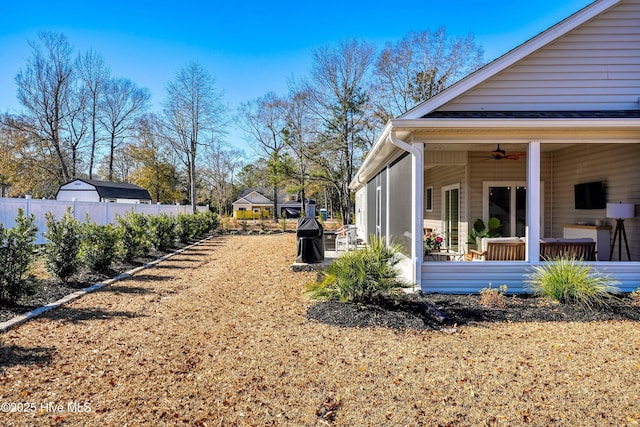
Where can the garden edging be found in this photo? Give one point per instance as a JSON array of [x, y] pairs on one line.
[[20, 319]]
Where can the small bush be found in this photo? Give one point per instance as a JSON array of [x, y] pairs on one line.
[[493, 297], [571, 281], [191, 226], [361, 276], [135, 234], [101, 246], [635, 297], [16, 257], [63, 245], [164, 231]]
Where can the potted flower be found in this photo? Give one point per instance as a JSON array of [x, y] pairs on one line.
[[432, 242]]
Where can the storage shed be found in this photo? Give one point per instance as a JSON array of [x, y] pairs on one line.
[[91, 190]]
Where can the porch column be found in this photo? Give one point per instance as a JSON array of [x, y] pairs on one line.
[[418, 210], [417, 222], [533, 202]]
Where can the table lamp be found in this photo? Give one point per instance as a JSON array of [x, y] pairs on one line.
[[620, 212]]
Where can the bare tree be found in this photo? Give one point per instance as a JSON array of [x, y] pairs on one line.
[[152, 163], [123, 103], [76, 124], [94, 73], [419, 66], [194, 116], [340, 95], [44, 88], [220, 172], [299, 133], [264, 120]]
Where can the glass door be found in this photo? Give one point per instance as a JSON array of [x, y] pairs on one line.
[[508, 203], [451, 217]]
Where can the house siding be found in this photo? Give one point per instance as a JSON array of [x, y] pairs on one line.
[[595, 67], [471, 277], [439, 177]]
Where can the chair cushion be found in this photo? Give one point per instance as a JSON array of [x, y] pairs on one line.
[[564, 240], [485, 240]]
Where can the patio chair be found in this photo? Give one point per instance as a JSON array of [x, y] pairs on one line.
[[505, 249], [567, 248], [346, 237]]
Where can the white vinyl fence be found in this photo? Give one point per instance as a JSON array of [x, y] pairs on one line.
[[100, 212]]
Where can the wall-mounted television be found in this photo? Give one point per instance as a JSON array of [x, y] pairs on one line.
[[590, 195]]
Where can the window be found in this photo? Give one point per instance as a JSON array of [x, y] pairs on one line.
[[428, 199]]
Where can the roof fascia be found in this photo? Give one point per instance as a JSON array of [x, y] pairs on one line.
[[510, 58], [371, 155], [586, 123]]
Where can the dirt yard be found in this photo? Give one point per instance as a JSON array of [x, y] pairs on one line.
[[220, 335]]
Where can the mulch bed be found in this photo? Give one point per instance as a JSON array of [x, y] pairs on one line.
[[47, 290], [435, 311]]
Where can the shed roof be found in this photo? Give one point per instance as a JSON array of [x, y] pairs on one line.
[[114, 190]]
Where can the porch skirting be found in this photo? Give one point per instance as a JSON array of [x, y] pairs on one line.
[[470, 277]]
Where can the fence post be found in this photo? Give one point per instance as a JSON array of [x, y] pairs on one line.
[[27, 208], [106, 213], [73, 208]]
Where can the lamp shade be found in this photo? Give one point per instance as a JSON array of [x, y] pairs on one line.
[[620, 210]]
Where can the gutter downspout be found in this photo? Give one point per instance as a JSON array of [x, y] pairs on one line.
[[417, 182]]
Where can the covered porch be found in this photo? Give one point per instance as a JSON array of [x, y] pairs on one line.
[[550, 196], [545, 192]]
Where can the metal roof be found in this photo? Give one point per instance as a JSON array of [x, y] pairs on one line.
[[116, 190]]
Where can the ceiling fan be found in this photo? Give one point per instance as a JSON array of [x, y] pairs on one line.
[[500, 154]]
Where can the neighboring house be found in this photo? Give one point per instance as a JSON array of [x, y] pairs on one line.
[[521, 139], [91, 190], [253, 205]]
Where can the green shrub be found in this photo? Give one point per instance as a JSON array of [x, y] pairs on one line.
[[191, 226], [135, 234], [101, 246], [16, 257], [163, 230], [571, 281], [185, 227], [209, 221], [63, 245], [361, 276]]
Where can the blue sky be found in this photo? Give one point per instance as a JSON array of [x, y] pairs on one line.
[[250, 47]]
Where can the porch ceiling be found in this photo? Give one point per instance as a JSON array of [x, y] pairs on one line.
[[490, 146]]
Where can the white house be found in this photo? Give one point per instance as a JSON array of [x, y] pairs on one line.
[[542, 138], [91, 190]]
